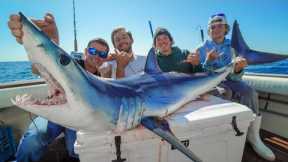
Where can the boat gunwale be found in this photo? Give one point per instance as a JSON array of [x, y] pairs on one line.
[[22, 83], [266, 75]]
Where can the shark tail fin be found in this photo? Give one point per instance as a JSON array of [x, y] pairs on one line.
[[162, 129]]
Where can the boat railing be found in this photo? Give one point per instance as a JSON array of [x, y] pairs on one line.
[[267, 75], [10, 90], [21, 83], [274, 104]]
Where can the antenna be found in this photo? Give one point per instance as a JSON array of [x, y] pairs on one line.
[[75, 32]]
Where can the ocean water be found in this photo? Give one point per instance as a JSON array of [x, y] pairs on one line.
[[280, 67], [21, 70], [15, 71]]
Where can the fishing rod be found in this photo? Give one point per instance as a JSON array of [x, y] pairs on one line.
[[201, 32], [75, 31], [151, 29], [75, 54]]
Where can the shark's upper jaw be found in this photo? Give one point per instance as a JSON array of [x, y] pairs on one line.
[[56, 94]]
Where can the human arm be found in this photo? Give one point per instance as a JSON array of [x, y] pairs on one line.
[[240, 64], [193, 58], [47, 25], [122, 60], [211, 55]]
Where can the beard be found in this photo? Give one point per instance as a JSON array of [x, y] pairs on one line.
[[127, 49]]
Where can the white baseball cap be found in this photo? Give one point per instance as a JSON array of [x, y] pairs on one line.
[[218, 18]]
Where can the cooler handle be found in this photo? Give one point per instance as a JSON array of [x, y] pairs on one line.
[[235, 127]]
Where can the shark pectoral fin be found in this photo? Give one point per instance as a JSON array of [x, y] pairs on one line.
[[162, 129]]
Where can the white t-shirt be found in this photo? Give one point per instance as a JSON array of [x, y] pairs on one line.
[[135, 66]]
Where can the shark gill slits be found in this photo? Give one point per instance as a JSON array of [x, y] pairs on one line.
[[64, 59]]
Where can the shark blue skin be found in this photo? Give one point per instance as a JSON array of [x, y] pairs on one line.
[[252, 56], [82, 101]]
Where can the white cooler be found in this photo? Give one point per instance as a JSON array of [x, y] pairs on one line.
[[205, 127]]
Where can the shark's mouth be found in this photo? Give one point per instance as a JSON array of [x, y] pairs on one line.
[[56, 93]]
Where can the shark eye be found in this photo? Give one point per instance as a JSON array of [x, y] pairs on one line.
[[64, 59], [40, 45]]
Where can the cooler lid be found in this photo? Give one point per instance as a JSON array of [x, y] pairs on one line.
[[209, 113]]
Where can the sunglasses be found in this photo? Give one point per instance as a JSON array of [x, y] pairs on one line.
[[95, 52], [219, 14], [214, 26]]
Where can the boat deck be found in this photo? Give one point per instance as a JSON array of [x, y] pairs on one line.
[[279, 146]]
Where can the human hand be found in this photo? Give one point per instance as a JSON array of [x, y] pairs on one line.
[[122, 58], [47, 25], [105, 70], [240, 63], [204, 97], [211, 54], [193, 59]]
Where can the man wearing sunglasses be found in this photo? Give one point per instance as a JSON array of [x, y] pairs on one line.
[[42, 132], [216, 53], [95, 56]]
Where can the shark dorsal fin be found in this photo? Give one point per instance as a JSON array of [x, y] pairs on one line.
[[151, 66], [252, 56], [237, 40]]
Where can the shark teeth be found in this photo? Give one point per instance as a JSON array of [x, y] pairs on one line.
[[26, 99], [54, 100], [56, 94]]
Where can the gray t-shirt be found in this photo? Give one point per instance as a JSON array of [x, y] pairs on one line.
[[135, 66]]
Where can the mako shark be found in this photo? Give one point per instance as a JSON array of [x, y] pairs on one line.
[[252, 56], [79, 100]]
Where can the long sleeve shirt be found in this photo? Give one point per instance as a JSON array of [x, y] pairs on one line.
[[175, 62], [226, 54]]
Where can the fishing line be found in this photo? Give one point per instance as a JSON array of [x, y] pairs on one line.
[[32, 120]]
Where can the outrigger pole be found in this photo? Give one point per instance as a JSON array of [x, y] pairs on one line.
[[75, 32]]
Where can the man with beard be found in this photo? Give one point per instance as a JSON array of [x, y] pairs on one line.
[[126, 62]]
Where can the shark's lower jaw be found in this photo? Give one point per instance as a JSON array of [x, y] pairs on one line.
[[56, 94]]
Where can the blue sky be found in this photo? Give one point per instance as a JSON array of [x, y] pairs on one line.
[[262, 22]]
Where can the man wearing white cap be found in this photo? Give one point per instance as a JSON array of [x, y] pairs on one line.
[[216, 53]]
